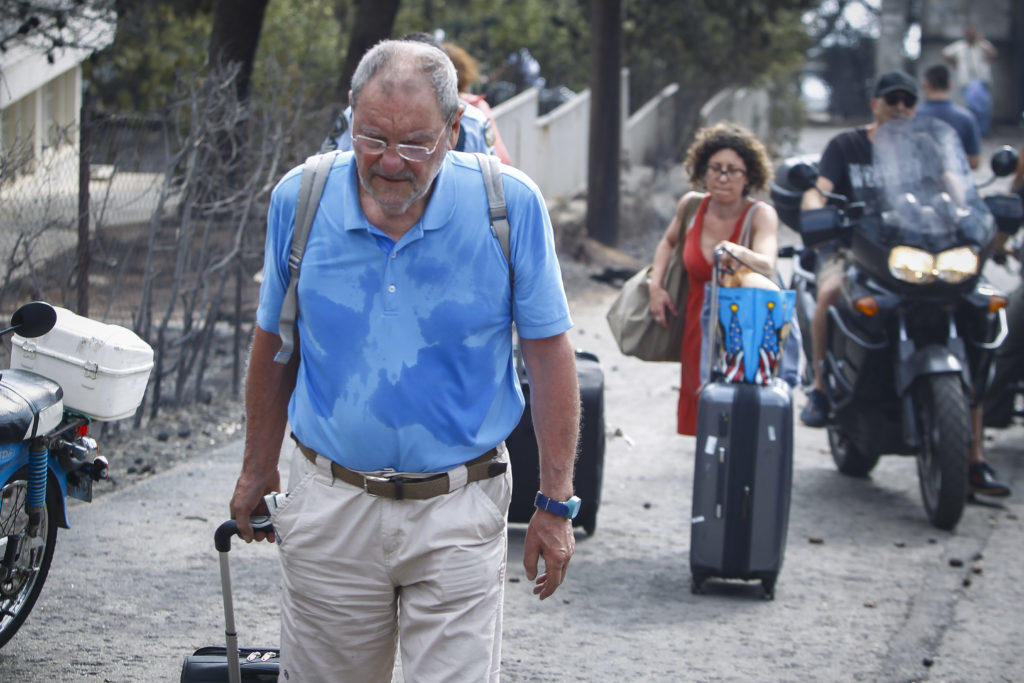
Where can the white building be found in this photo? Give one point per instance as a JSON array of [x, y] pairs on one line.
[[41, 85]]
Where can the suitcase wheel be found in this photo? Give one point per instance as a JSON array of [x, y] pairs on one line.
[[768, 584], [697, 584]]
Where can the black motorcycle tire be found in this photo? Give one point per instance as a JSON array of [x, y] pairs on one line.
[[944, 424], [850, 459], [17, 601]]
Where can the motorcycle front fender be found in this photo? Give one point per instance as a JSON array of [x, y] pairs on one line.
[[933, 359], [57, 477]]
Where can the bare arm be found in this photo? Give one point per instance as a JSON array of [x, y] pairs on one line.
[[555, 397], [268, 388], [1018, 177], [764, 244], [813, 199], [660, 298]]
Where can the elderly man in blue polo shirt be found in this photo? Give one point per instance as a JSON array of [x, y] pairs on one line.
[[405, 372]]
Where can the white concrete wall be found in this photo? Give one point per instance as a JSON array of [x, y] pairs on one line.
[[554, 149], [650, 135]]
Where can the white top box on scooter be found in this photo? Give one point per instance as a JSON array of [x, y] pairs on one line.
[[102, 368]]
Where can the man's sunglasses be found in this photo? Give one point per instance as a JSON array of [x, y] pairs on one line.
[[896, 96]]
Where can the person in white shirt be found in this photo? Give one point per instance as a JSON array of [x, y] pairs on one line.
[[970, 58]]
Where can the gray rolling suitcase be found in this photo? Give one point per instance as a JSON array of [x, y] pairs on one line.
[[743, 473], [742, 478]]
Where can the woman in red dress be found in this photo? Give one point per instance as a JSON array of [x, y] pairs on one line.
[[730, 163]]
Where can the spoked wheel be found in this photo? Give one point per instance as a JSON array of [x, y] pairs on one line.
[[944, 424], [849, 459], [19, 590]]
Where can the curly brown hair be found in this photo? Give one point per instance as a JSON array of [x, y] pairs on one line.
[[465, 66], [740, 140]]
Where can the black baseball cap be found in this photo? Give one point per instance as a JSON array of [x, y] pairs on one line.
[[895, 80]]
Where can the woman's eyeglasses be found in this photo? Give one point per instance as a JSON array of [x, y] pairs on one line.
[[732, 172], [896, 96]]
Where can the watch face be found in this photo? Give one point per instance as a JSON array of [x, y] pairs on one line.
[[574, 506]]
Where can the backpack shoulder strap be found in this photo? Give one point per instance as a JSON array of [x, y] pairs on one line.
[[490, 166], [314, 177]]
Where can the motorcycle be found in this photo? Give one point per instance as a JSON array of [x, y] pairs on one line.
[[912, 335], [46, 453]]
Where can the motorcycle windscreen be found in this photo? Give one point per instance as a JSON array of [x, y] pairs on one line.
[[926, 194]]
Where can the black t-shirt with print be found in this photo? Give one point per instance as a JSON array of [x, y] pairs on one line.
[[847, 162]]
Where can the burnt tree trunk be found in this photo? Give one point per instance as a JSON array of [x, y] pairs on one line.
[[605, 121], [373, 23], [235, 36]]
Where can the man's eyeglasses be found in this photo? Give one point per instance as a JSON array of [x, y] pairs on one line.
[[896, 96], [733, 173], [414, 153]]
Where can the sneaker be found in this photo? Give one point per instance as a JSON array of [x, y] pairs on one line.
[[981, 478], [815, 413]]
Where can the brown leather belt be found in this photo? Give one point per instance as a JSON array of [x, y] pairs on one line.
[[399, 487]]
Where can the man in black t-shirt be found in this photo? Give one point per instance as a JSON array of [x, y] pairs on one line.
[[846, 168]]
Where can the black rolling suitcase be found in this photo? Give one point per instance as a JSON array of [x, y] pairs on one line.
[[522, 449], [209, 664], [743, 474]]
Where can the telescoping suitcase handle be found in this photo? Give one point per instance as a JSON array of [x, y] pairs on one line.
[[222, 541]]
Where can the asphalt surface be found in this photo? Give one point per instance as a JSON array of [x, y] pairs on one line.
[[868, 591]]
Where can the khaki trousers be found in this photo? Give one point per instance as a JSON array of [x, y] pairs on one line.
[[362, 574]]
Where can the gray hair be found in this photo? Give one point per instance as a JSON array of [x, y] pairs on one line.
[[429, 61]]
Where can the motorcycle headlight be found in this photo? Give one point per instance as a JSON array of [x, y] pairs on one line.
[[956, 265], [912, 265], [921, 267]]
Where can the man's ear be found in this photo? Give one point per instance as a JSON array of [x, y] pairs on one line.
[[456, 126]]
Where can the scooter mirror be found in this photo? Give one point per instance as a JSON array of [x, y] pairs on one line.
[[33, 319], [802, 177], [1004, 161]]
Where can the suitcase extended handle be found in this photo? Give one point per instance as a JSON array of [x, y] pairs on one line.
[[222, 541], [222, 537]]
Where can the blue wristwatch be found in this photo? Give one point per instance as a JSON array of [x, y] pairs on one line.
[[568, 509]]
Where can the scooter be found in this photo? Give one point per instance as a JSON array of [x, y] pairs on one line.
[[46, 455], [912, 335]]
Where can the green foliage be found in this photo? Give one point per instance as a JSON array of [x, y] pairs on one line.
[[301, 45], [710, 44], [156, 45], [556, 33]]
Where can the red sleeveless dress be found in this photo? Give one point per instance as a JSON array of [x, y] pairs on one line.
[[698, 271]]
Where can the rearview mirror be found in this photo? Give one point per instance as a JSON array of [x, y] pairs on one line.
[[33, 319], [1004, 161], [802, 177]]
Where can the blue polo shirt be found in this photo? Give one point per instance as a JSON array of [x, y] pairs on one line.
[[405, 348]]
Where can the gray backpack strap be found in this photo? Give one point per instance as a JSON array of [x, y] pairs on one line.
[[314, 178], [490, 167]]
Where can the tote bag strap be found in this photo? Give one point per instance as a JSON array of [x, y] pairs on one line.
[[748, 223]]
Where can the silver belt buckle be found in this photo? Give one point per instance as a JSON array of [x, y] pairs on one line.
[[367, 478]]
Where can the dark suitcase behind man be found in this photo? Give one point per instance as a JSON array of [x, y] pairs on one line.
[[743, 474], [522, 449], [231, 663]]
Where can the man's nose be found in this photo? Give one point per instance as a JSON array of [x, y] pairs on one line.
[[390, 159]]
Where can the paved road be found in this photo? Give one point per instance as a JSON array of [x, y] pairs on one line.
[[869, 590]]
